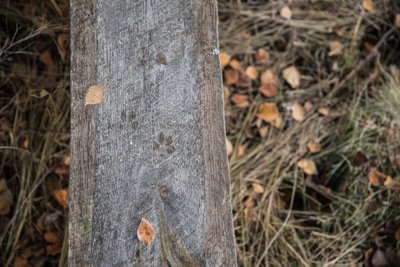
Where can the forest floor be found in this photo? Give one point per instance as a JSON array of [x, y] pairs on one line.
[[312, 97]]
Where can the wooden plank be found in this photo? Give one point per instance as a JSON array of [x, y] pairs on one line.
[[155, 147]]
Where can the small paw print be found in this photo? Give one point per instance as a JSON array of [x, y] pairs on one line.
[[164, 142]]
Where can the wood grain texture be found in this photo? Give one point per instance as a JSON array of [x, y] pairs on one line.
[[155, 147]]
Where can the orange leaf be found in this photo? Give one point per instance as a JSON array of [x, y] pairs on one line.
[[376, 178], [94, 95], [52, 237], [61, 196], [53, 249], [292, 76], [269, 90], [146, 232], [298, 112], [286, 12], [336, 48], [368, 5], [20, 262], [308, 166], [235, 64], [269, 78], [252, 72], [229, 147], [224, 58], [45, 58], [258, 188], [324, 111], [397, 21], [231, 76], [241, 101], [313, 146], [269, 112], [262, 56]]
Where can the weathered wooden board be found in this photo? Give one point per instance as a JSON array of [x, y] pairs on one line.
[[155, 147]]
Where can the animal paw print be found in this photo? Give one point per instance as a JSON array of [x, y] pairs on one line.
[[164, 142]]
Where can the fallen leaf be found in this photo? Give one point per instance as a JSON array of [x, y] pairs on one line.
[[6, 198], [53, 249], [61, 170], [336, 48], [397, 21], [227, 94], [292, 76], [241, 101], [308, 166], [376, 178], [397, 235], [62, 41], [263, 131], [360, 159], [45, 57], [146, 232], [308, 106], [94, 95], [231, 76], [269, 112], [269, 77], [262, 56], [324, 111], [286, 12], [258, 188], [368, 5], [52, 237], [26, 143], [313, 146], [252, 72], [269, 90], [61, 196], [298, 112], [241, 151], [67, 160], [20, 262], [229, 147], [224, 59], [235, 64], [379, 259], [250, 203]]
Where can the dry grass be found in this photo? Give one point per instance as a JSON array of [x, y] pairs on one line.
[[333, 218], [327, 220], [34, 118]]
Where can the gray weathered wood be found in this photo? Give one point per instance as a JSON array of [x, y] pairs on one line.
[[155, 148]]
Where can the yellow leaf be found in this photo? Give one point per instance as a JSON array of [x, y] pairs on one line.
[[235, 64], [262, 56], [324, 111], [292, 76], [298, 112], [269, 112], [61, 196], [376, 178], [229, 147], [336, 48], [397, 21], [252, 72], [94, 95], [241, 101], [286, 12], [269, 90], [146, 232], [308, 166], [314, 146], [368, 5], [258, 188], [231, 76], [224, 59]]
